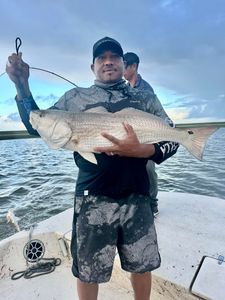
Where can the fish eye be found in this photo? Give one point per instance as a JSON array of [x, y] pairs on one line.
[[190, 132]]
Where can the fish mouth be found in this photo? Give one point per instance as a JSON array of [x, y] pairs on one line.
[[33, 119]]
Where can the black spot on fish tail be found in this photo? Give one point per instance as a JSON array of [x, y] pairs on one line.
[[190, 132]]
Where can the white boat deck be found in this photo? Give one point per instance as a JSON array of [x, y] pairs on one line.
[[189, 227]]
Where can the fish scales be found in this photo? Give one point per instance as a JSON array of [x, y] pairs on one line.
[[82, 132], [148, 130]]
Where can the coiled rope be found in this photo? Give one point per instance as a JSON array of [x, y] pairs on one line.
[[39, 269]]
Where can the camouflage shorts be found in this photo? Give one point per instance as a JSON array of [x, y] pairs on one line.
[[101, 225]]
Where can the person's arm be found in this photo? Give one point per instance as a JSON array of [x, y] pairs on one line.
[[163, 151], [18, 72], [25, 106]]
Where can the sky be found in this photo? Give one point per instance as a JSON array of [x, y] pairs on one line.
[[180, 43]]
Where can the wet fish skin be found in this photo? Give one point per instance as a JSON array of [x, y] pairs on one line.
[[81, 132]]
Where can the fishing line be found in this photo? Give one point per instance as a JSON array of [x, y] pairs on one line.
[[18, 43], [34, 68]]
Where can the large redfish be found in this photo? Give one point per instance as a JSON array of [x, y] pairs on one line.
[[81, 132]]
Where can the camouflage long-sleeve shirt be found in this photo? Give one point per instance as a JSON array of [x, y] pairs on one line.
[[113, 175]]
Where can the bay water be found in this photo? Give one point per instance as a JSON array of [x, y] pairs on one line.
[[37, 182]]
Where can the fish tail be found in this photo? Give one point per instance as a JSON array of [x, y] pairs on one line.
[[198, 137]]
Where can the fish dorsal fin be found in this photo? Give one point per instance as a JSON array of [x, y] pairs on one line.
[[98, 109], [132, 111], [89, 156], [136, 112]]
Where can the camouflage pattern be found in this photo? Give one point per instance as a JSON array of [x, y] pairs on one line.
[[113, 97], [101, 225]]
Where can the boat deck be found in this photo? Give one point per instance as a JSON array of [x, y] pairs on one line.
[[188, 227]]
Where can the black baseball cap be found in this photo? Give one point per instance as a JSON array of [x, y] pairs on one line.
[[131, 58], [105, 44]]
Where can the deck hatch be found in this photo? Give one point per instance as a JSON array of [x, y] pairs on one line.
[[34, 250], [209, 279]]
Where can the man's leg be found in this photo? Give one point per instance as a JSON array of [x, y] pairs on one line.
[[137, 243], [87, 291], [93, 244], [141, 285]]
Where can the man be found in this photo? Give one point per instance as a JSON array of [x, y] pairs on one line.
[[111, 207], [136, 81], [131, 73]]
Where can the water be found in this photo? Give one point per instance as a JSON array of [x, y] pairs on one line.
[[37, 182]]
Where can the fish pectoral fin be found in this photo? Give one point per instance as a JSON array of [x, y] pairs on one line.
[[89, 156]]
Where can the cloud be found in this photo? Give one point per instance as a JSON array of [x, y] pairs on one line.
[[15, 117], [200, 108], [180, 43], [11, 122], [209, 109], [178, 114], [47, 99], [9, 102]]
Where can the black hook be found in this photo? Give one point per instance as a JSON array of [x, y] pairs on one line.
[[18, 43]]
